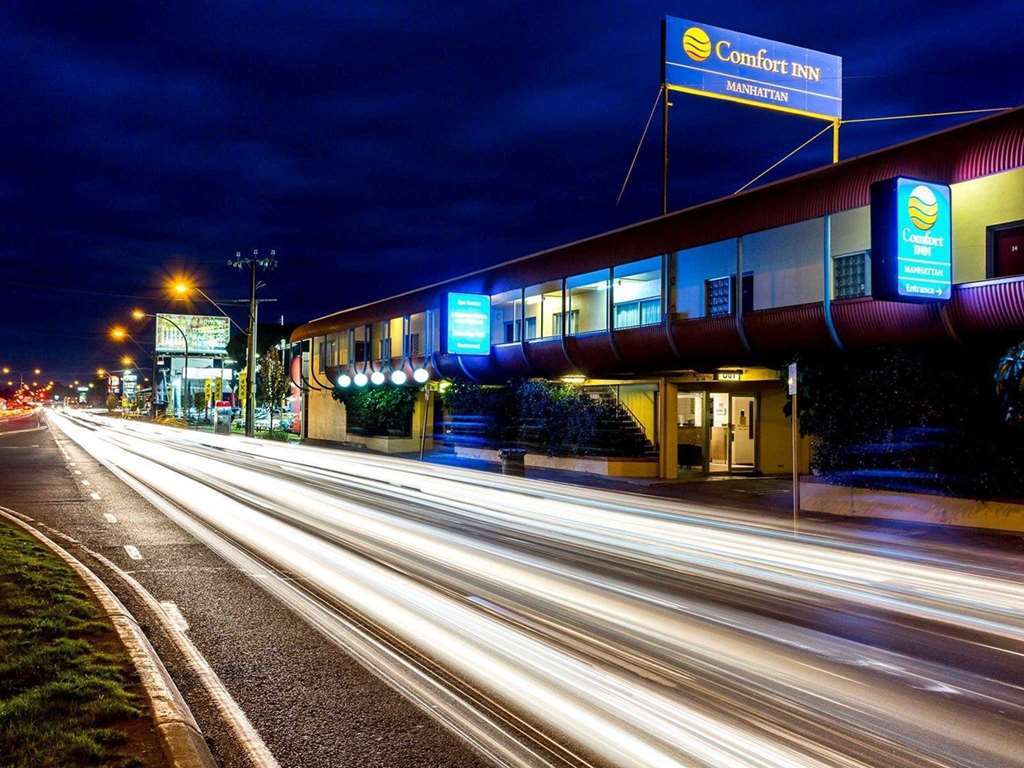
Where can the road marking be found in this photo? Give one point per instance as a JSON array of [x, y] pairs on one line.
[[71, 463], [86, 482], [77, 471], [109, 517], [133, 551], [94, 496], [174, 614]]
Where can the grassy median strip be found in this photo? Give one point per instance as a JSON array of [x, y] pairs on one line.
[[66, 684]]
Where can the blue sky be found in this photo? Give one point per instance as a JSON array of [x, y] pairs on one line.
[[380, 146]]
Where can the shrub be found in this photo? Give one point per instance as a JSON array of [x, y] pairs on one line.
[[378, 411], [908, 419]]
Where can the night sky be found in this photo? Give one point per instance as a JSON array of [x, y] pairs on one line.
[[379, 146]]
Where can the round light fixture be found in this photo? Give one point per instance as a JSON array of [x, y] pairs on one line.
[[398, 378], [344, 380], [421, 376], [377, 378], [360, 379]]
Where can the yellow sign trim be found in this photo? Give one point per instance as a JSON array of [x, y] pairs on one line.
[[750, 103]]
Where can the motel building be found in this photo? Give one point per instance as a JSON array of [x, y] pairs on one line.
[[689, 320]]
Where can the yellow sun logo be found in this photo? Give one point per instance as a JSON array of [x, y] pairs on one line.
[[696, 43], [922, 207]]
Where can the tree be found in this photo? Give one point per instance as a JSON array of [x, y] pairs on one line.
[[274, 384], [112, 402], [1010, 384]]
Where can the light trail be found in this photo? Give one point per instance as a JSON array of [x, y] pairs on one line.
[[605, 628]]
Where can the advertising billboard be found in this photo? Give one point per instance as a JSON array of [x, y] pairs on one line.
[[207, 334], [718, 63], [911, 240], [469, 324]]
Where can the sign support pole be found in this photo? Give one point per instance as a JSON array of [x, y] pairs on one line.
[[664, 125], [835, 140], [795, 422]]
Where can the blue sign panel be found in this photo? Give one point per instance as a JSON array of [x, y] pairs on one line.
[[722, 64], [469, 324], [911, 240]]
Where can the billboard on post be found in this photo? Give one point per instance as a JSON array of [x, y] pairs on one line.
[[207, 334], [722, 64]]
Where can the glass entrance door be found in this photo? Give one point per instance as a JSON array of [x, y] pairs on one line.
[[743, 433]]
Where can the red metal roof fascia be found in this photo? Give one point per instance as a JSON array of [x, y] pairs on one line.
[[971, 150]]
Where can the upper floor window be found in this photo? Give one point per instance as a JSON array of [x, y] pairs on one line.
[[636, 293], [719, 293], [506, 317], [542, 302], [587, 303]]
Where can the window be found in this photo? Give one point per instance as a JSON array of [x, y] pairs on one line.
[[321, 356], [531, 328], [587, 302], [632, 314], [636, 293], [396, 338], [851, 276], [542, 302], [718, 293], [417, 327], [506, 317], [556, 323]]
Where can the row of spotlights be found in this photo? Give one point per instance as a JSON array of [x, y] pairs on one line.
[[398, 378]]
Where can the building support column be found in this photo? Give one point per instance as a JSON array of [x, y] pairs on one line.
[[668, 432]]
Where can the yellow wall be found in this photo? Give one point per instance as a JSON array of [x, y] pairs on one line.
[[326, 417], [775, 447], [978, 204], [640, 402]]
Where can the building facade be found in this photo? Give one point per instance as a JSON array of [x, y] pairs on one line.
[[689, 318]]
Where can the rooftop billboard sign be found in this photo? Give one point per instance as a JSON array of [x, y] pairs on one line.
[[722, 64], [911, 240], [207, 334]]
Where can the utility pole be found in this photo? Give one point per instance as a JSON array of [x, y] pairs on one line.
[[252, 262]]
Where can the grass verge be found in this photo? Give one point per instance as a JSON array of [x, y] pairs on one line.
[[68, 694]]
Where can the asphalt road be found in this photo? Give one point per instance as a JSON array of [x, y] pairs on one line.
[[556, 626], [312, 703]]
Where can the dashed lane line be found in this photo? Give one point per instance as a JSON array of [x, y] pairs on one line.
[[109, 517], [95, 496], [133, 551], [175, 615]]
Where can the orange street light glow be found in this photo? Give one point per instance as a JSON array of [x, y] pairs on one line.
[[138, 314], [126, 360], [118, 333]]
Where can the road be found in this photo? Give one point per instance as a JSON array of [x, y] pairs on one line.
[[548, 625]]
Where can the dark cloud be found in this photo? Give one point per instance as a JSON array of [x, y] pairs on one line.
[[383, 145]]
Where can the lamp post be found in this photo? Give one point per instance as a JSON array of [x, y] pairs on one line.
[[138, 314]]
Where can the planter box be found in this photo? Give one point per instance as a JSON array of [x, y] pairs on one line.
[[911, 507], [609, 466], [385, 443]]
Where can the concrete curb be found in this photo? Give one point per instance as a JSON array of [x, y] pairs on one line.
[[180, 737]]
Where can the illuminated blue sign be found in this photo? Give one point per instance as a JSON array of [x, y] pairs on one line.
[[911, 240], [722, 64], [469, 324]]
